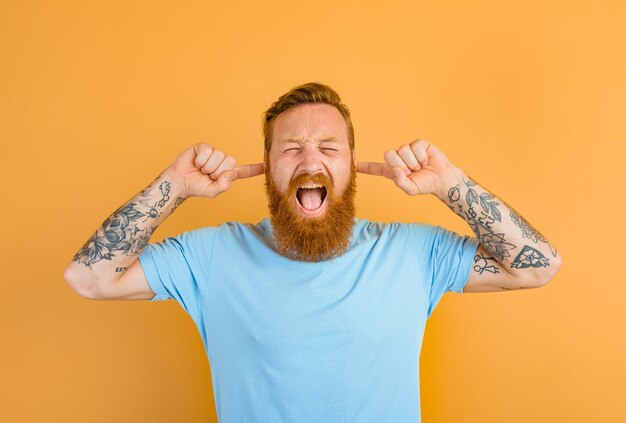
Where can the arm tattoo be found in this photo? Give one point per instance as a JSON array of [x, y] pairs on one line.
[[165, 190], [529, 257], [488, 206], [488, 217], [454, 193], [529, 232], [484, 264], [118, 234], [483, 212], [122, 233], [177, 203], [481, 221]]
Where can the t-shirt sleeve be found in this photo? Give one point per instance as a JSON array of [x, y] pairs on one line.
[[178, 267], [451, 259]]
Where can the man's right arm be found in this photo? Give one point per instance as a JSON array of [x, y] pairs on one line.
[[98, 269], [107, 266]]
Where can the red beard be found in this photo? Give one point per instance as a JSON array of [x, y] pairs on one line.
[[311, 238]]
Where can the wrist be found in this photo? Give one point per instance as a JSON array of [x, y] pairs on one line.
[[176, 181], [446, 188]]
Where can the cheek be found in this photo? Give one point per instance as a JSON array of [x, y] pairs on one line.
[[282, 171], [281, 180], [342, 181]]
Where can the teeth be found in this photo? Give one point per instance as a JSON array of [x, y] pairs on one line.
[[311, 185]]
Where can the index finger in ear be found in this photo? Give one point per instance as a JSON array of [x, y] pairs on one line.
[[377, 169], [248, 171]]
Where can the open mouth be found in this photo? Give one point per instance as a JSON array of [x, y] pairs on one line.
[[311, 199]]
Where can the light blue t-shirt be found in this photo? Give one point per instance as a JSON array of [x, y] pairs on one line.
[[298, 342]]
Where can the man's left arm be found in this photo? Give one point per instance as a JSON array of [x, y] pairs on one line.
[[511, 255]]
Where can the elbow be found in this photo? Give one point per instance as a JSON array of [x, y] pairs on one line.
[[549, 272], [77, 281]]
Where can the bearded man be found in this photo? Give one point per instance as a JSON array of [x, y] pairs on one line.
[[312, 315]]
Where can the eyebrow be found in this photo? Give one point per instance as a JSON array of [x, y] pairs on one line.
[[299, 140]]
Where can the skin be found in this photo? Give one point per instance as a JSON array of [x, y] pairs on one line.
[[503, 260], [301, 145], [512, 254]]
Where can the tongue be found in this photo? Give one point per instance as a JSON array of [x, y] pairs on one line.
[[311, 198]]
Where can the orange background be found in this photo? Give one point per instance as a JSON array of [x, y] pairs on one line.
[[96, 98]]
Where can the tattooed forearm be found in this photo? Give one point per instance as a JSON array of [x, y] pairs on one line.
[[127, 231], [529, 232], [481, 212], [165, 190], [498, 228], [454, 194], [178, 202]]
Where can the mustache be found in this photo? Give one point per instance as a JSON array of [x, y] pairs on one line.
[[316, 178]]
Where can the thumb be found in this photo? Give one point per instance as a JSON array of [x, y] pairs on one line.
[[228, 175], [226, 178], [222, 183], [400, 178]]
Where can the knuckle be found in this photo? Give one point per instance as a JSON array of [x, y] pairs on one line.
[[203, 150], [202, 146], [419, 151], [405, 149], [419, 145], [217, 157], [389, 154]]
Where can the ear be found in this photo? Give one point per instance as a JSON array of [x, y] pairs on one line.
[[264, 159], [354, 156]]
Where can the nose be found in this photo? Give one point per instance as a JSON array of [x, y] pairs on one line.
[[311, 162]]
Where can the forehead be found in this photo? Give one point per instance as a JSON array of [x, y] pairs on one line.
[[310, 121]]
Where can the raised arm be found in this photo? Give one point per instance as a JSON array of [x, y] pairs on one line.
[[107, 266], [511, 255]]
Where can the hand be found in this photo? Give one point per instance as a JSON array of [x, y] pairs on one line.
[[205, 171], [417, 168]]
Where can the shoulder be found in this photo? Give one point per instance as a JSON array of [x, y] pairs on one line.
[[240, 232], [229, 228]]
